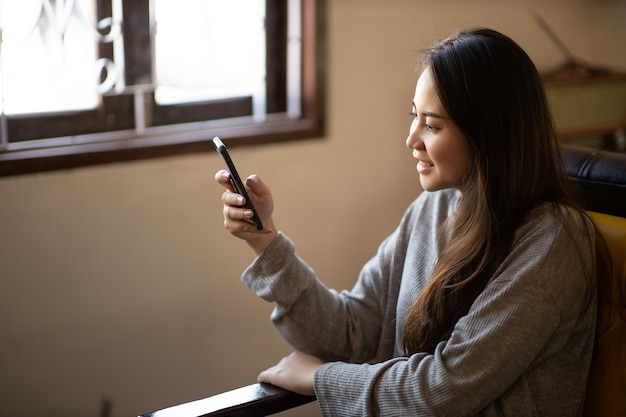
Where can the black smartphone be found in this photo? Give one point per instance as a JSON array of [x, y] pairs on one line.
[[235, 180]]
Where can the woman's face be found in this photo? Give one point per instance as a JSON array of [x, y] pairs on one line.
[[440, 148]]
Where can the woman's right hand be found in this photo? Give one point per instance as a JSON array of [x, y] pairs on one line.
[[237, 219]]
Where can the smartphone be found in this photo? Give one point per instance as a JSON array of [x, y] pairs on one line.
[[235, 181]]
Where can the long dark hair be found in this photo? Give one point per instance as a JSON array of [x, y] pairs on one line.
[[491, 89]]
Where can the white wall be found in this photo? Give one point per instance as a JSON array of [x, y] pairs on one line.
[[120, 281]]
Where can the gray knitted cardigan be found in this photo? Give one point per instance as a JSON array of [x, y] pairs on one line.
[[523, 349]]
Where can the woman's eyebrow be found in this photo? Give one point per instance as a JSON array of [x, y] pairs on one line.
[[435, 115], [429, 113]]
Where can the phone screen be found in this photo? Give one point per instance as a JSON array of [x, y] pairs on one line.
[[235, 180]]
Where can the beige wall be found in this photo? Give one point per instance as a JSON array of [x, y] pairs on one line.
[[120, 281]]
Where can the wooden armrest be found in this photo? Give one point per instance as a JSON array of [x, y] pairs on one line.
[[252, 400]]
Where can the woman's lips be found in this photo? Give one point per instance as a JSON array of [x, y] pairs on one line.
[[424, 167]]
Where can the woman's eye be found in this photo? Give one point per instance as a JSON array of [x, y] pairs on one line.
[[415, 116]]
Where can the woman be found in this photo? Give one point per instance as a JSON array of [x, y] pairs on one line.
[[482, 301]]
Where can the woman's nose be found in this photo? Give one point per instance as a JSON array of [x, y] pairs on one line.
[[413, 141], [409, 142]]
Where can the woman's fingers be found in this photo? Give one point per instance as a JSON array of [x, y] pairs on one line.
[[238, 219], [258, 187], [232, 207], [231, 198], [222, 177]]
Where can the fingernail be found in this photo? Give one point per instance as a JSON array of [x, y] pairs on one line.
[[240, 200], [247, 213]]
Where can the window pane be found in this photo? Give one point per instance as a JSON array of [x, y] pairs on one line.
[[47, 56], [267, 59], [210, 49]]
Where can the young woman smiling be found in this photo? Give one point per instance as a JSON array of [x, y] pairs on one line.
[[482, 301]]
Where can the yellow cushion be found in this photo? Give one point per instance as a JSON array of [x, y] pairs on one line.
[[606, 388]]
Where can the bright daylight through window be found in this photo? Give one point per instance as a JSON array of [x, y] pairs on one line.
[[93, 81]]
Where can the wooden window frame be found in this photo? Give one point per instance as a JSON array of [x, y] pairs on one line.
[[170, 133]]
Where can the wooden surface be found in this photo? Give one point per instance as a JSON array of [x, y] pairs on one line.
[[251, 400]]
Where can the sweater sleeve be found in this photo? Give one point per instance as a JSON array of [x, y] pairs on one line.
[[538, 306], [353, 326], [317, 320]]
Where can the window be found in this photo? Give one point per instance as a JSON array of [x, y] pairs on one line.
[[85, 82]]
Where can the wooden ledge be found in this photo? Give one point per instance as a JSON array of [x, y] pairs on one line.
[[252, 400]]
